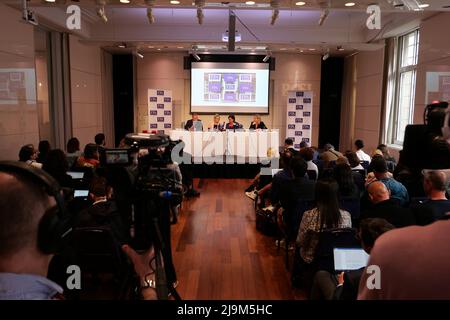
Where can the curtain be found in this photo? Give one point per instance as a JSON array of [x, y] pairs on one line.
[[389, 83], [348, 104], [107, 100]]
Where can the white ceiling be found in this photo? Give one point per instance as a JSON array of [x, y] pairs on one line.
[[295, 29]]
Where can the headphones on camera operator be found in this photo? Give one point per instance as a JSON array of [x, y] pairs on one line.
[[54, 224]]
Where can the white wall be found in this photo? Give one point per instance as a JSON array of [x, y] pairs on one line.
[[165, 71], [18, 115], [86, 86]]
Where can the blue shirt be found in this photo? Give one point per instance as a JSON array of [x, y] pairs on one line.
[[398, 190], [17, 286]]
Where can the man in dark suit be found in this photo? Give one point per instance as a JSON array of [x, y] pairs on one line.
[[257, 123], [289, 145], [190, 123], [386, 208]]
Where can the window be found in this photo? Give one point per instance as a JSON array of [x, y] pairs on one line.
[[404, 87]]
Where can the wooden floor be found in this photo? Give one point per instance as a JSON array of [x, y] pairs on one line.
[[218, 252]]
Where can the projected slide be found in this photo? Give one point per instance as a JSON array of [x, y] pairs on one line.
[[17, 85], [229, 87], [438, 86]]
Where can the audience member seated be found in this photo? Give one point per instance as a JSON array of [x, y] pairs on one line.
[[359, 145], [326, 215], [262, 178], [437, 205], [342, 174], [307, 154], [190, 123], [56, 165], [414, 263], [298, 188], [353, 160], [100, 140], [73, 151], [386, 208], [289, 146], [381, 173], [281, 177], [342, 160], [90, 158], [385, 151], [44, 148], [28, 154], [103, 212], [329, 154], [216, 125], [257, 123], [327, 286], [232, 124]]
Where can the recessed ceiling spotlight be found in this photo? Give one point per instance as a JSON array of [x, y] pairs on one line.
[[175, 2], [50, 0], [424, 5], [312, 49], [124, 1], [159, 49], [349, 4], [180, 47], [282, 49], [250, 3], [122, 45], [300, 3]]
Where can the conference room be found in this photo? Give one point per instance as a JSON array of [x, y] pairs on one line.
[[241, 150]]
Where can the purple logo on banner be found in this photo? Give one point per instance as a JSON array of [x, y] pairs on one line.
[[160, 119], [229, 96], [214, 87], [305, 139], [306, 127], [306, 100], [153, 112], [291, 126], [160, 106], [306, 114], [298, 120], [167, 125], [297, 146], [160, 92], [153, 126], [292, 100], [167, 112], [299, 133], [167, 99], [230, 77], [153, 99], [299, 94], [299, 107], [292, 114]]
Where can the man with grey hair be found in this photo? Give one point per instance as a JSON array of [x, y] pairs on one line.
[[435, 185], [329, 154]]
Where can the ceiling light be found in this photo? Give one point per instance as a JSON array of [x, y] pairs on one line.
[[349, 4], [124, 1], [312, 49], [150, 17], [159, 49], [283, 49], [50, 0], [266, 58], [180, 47], [175, 2], [340, 48], [300, 3], [101, 14], [250, 3], [424, 5], [150, 47], [196, 56], [323, 16], [137, 54], [123, 45]]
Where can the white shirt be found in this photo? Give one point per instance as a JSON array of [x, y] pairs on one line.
[[362, 155], [358, 167], [313, 166]]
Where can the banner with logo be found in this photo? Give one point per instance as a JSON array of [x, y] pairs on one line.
[[159, 110], [299, 117]]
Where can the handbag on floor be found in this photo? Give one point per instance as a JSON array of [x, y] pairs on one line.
[[266, 222]]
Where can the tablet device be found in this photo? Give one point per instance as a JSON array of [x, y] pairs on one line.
[[81, 193], [347, 259], [76, 175]]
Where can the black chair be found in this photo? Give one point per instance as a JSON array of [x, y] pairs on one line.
[[359, 177], [312, 175], [391, 166], [365, 164], [97, 252], [330, 239], [352, 206]]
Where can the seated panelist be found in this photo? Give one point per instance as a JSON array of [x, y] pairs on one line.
[[190, 123], [216, 125], [257, 123], [232, 124]]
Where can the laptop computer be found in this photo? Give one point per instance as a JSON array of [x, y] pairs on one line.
[[347, 259], [81, 194]]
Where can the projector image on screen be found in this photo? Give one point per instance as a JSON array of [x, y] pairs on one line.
[[229, 87]]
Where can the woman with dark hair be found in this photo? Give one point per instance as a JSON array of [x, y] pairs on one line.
[[232, 124], [28, 154], [342, 174], [56, 165], [90, 158], [73, 151], [44, 148], [353, 160], [325, 215]]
